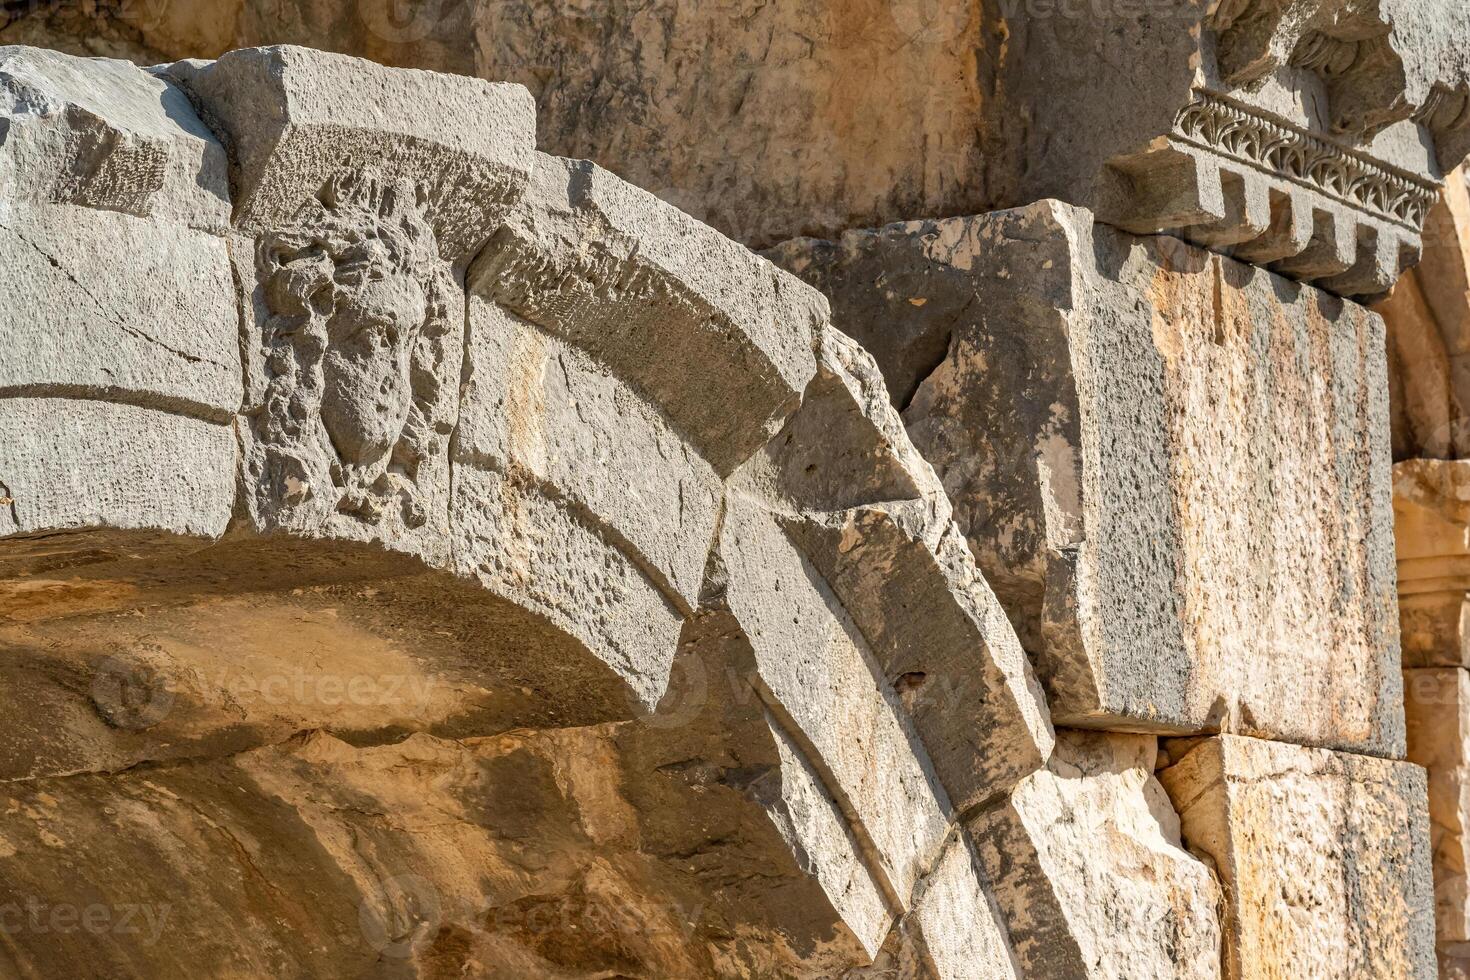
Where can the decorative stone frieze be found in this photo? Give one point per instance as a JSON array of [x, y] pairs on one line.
[[1306, 136]]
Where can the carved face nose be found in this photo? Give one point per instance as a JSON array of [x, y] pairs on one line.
[[367, 392]]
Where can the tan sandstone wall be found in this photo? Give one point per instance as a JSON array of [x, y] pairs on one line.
[[765, 120]]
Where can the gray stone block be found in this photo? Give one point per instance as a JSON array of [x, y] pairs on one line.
[[716, 336], [1172, 468], [293, 118]]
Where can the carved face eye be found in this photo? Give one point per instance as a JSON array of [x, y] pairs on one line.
[[377, 317]]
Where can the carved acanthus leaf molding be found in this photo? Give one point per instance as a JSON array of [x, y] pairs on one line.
[[1284, 151]]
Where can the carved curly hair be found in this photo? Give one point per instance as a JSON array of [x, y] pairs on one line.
[[356, 219]]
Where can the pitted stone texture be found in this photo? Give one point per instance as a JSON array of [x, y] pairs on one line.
[[759, 123], [517, 540], [71, 465], [122, 365], [104, 134], [1161, 459], [879, 653], [1323, 857], [108, 306], [1427, 316], [818, 675], [294, 118], [848, 792], [716, 337], [872, 518], [1431, 509], [1089, 872], [543, 411], [962, 933], [1437, 708]]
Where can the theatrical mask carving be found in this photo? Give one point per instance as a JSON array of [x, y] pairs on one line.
[[362, 353]]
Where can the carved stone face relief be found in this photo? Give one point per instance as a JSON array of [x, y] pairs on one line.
[[361, 354], [370, 336]]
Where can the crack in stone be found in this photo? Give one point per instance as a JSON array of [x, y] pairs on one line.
[[7, 499], [112, 316]]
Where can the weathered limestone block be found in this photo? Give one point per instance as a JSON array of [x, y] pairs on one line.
[[956, 922], [869, 515], [1437, 709], [1089, 872], [692, 320], [105, 135], [1323, 856], [1427, 315], [817, 673], [1431, 509], [1170, 466], [833, 538], [107, 306], [137, 475], [356, 211], [621, 358], [122, 365], [545, 413], [820, 745]]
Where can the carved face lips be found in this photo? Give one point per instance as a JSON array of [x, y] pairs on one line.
[[367, 393]]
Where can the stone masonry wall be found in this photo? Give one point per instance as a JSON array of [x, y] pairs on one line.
[[424, 553]]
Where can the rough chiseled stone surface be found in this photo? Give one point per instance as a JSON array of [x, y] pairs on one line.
[[1323, 856], [1088, 868], [1437, 706], [1161, 459]]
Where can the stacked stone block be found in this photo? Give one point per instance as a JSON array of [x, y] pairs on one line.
[[1174, 469]]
